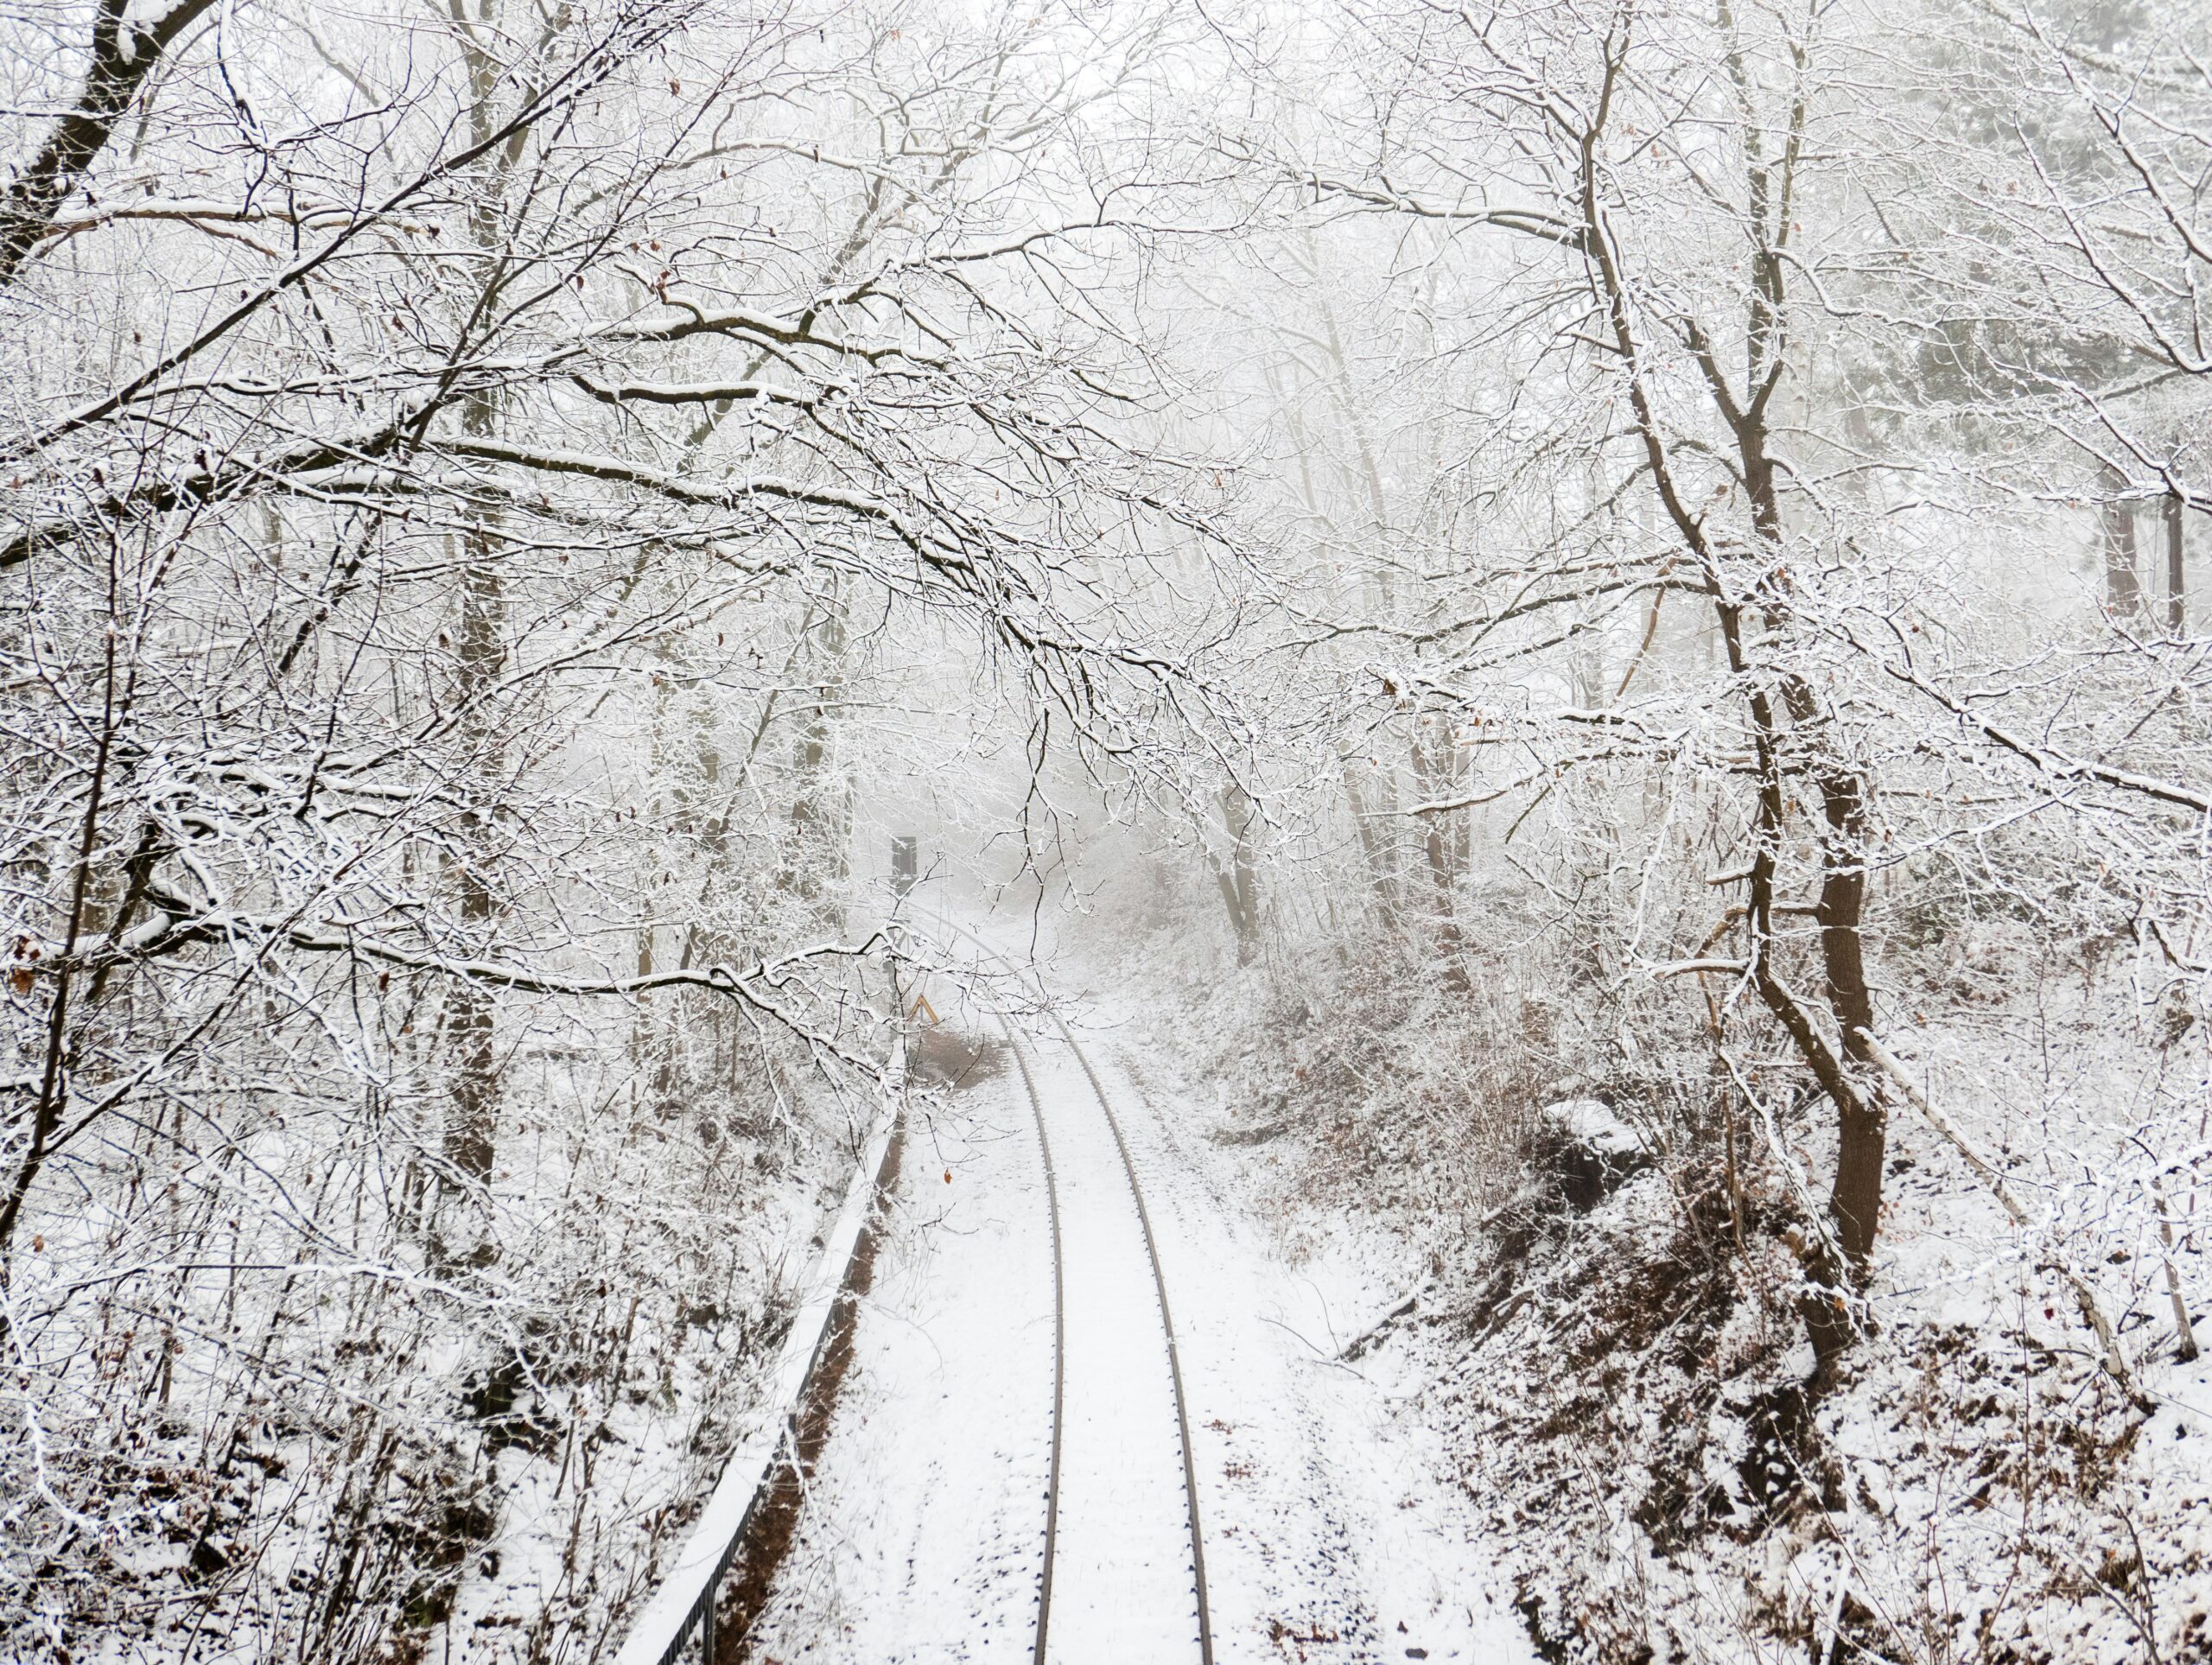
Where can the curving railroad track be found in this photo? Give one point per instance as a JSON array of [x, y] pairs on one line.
[[1122, 1576], [1126, 1593]]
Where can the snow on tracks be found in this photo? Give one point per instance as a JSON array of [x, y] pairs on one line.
[[1333, 1535], [925, 1533], [1127, 1568]]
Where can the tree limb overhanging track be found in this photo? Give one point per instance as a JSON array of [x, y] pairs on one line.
[[1059, 1323]]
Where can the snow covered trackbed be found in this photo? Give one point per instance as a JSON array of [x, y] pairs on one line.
[[1028, 1445], [1120, 1570]]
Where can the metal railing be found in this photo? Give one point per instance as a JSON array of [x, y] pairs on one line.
[[683, 1606]]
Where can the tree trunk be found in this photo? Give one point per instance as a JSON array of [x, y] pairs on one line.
[[1855, 1200], [2176, 577], [821, 808], [1374, 853], [1862, 1122], [1239, 880], [464, 1236], [2123, 582], [1437, 769]]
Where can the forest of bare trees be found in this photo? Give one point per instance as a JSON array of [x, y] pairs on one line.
[[1497, 556]]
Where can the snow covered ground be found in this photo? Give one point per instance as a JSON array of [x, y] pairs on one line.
[[922, 1538], [1330, 1535], [1327, 1534]]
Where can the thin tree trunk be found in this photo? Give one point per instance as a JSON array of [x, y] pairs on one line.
[[1239, 880], [1435, 770], [820, 807], [1374, 853], [2123, 582], [471, 1142], [2177, 576], [53, 1089], [2184, 1334], [471, 1136]]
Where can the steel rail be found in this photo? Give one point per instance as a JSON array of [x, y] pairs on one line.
[[1059, 1342], [1167, 1324], [1059, 1364]]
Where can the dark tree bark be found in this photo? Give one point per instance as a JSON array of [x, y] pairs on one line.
[[2176, 577], [1855, 1200], [124, 55]]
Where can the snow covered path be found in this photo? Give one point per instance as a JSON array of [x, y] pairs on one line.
[[1327, 1537]]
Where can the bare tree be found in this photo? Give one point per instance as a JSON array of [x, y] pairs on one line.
[[554, 377]]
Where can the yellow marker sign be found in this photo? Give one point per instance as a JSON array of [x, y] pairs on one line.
[[922, 1004]]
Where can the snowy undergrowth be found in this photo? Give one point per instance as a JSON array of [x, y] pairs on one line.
[[322, 1443], [1618, 1360]]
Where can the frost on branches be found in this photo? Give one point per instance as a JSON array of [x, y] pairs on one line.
[[1596, 600]]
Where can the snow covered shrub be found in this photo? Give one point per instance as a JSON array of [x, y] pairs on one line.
[[1622, 1364], [322, 1443], [1409, 1100]]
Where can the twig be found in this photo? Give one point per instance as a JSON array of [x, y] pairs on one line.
[[1366, 1339]]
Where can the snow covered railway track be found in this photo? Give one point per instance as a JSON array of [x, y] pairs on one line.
[[1115, 1582]]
